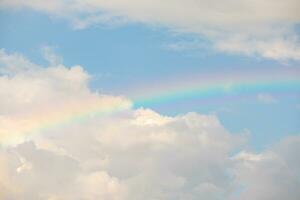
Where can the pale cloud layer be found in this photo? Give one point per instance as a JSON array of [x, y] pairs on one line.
[[266, 98], [129, 154], [250, 27]]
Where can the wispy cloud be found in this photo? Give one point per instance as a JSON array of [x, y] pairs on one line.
[[50, 55], [266, 98]]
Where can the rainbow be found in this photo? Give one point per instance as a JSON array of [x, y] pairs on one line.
[[26, 126], [218, 91], [203, 87], [219, 86]]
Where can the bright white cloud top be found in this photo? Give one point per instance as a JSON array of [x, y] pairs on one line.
[[130, 154], [264, 28]]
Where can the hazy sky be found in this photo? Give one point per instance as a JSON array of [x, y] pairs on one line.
[[141, 99]]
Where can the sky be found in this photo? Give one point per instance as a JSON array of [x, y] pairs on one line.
[[169, 100]]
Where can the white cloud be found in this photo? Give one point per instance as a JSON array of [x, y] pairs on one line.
[[14, 63], [31, 95], [131, 154], [266, 98], [263, 28]]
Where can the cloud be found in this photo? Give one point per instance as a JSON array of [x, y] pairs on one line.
[[273, 174], [51, 56], [34, 97], [261, 28], [126, 154], [266, 98]]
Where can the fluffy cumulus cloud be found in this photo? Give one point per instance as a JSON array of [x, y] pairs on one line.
[[61, 141], [251, 27]]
